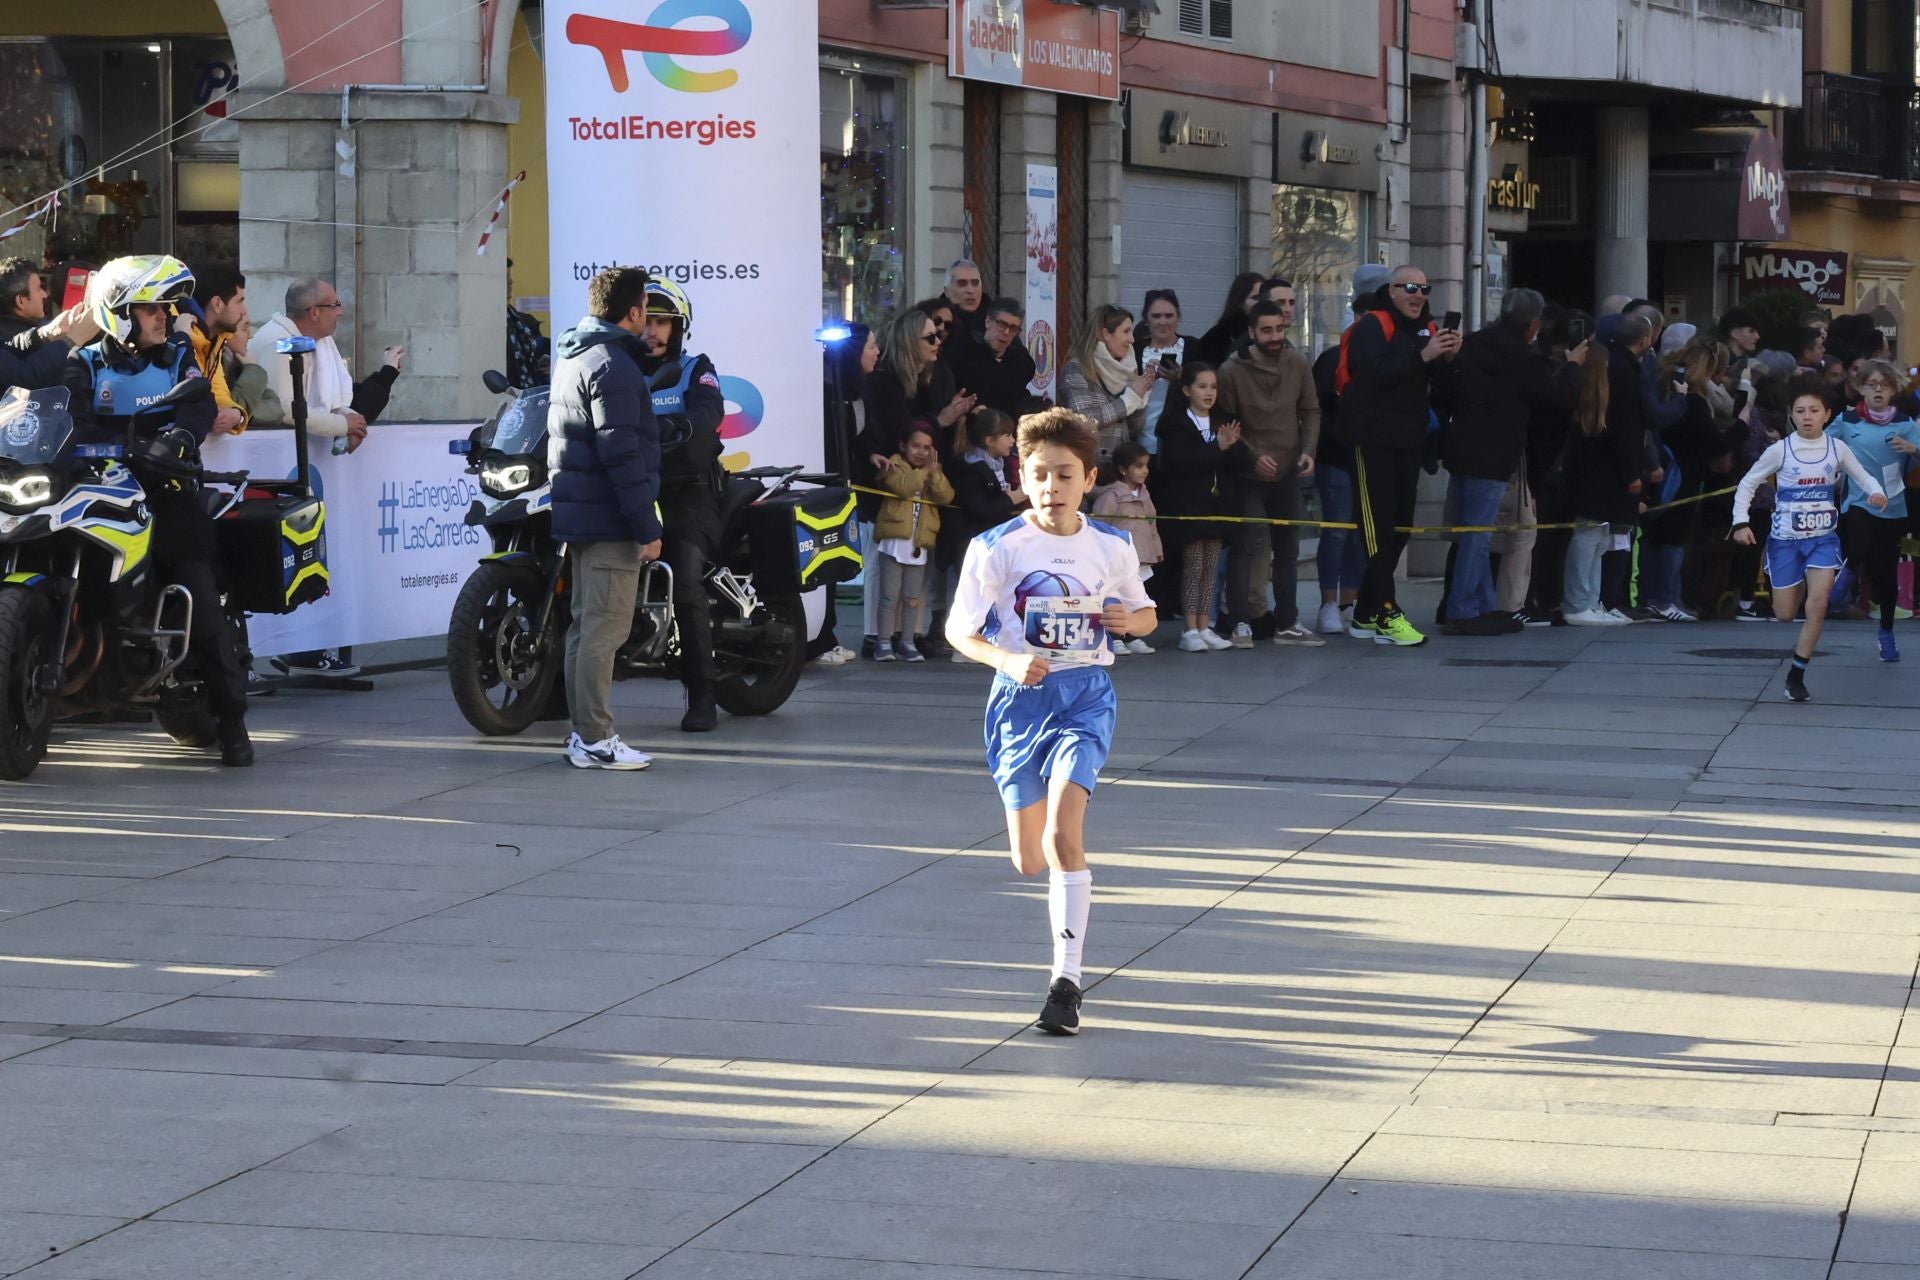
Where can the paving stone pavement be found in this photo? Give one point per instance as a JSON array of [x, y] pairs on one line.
[[1574, 954]]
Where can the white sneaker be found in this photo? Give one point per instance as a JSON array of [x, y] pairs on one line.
[[1242, 636], [1140, 646], [1193, 642], [1331, 623], [1119, 647], [1619, 619], [1676, 613], [1214, 640], [835, 657], [608, 753], [1594, 618]]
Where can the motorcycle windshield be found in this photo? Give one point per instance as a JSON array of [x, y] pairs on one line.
[[519, 425], [34, 426]]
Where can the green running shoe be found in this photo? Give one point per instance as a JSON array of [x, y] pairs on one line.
[[1393, 628]]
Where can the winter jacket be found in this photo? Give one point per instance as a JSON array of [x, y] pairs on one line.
[[980, 502], [211, 354], [1116, 418], [1277, 405], [30, 361], [1333, 450], [1193, 470], [889, 411], [603, 448], [1387, 403], [999, 381], [1219, 342], [914, 513], [1130, 510], [1500, 384]]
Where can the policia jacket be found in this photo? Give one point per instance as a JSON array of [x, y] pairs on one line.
[[688, 406]]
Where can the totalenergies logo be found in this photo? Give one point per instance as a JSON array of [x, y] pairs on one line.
[[661, 39], [746, 407]]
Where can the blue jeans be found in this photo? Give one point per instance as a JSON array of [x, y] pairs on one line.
[[1660, 573], [1473, 501], [1588, 544], [1342, 560]]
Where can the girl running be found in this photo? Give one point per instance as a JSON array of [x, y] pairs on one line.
[[1885, 440]]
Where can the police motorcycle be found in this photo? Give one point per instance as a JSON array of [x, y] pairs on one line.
[[87, 625], [506, 640]]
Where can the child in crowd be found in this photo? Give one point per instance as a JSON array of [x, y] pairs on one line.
[[1194, 445], [983, 498], [1885, 440], [1603, 493], [905, 531], [1127, 506], [1038, 597], [1767, 421], [1803, 549]]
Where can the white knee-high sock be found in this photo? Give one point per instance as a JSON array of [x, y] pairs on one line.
[[1069, 899]]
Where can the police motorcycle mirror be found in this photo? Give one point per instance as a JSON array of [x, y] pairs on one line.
[[496, 382]]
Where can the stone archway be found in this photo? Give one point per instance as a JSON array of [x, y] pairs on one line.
[[256, 40]]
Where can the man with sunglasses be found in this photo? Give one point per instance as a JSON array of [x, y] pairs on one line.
[[995, 367], [1397, 360]]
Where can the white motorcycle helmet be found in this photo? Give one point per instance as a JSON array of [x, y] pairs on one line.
[[118, 287]]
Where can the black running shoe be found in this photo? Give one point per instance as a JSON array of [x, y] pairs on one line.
[[1797, 687], [1061, 1017]]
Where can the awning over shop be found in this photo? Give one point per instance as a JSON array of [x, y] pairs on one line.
[[1734, 189]]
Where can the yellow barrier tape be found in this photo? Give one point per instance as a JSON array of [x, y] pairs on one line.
[[1348, 524]]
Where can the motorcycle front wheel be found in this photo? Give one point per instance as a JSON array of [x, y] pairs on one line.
[[502, 672], [26, 709], [758, 673]]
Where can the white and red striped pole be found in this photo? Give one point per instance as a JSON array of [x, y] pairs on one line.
[[499, 208]]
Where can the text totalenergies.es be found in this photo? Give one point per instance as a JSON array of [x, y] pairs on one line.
[[637, 128]]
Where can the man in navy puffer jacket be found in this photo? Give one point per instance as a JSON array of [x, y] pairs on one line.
[[603, 450]]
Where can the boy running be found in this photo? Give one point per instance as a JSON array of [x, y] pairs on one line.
[[1803, 549], [1038, 597]]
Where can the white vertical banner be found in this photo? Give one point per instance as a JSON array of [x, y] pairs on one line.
[[1043, 275], [683, 137]]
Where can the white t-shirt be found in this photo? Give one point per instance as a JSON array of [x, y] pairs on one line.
[[1072, 575], [1804, 504]]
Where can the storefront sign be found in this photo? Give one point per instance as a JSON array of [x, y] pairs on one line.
[[1187, 135], [398, 543], [1036, 44], [1318, 151], [1821, 274], [1763, 190], [1043, 275], [686, 142]]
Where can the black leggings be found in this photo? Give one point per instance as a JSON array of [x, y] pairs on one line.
[[1873, 552]]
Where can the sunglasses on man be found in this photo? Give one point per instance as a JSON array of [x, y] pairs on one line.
[[1411, 289]]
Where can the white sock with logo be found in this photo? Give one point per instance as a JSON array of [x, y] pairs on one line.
[[1069, 900]]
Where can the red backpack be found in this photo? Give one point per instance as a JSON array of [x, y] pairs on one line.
[[1342, 373]]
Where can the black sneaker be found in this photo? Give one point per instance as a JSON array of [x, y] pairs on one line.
[[327, 665], [1534, 618], [1061, 1017], [1797, 687]]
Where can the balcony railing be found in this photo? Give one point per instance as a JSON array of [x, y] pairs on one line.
[[1857, 125]]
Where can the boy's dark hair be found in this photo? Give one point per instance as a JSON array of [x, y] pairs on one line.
[[1737, 318], [616, 291], [1062, 427], [985, 425], [1260, 311], [1808, 336], [1808, 384], [1125, 454], [217, 283], [1275, 282]]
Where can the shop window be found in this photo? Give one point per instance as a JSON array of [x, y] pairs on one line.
[[863, 142], [1319, 241]]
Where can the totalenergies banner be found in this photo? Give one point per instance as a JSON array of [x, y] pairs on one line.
[[682, 136]]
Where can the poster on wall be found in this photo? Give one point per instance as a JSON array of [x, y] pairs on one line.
[[1043, 276], [1036, 44], [682, 136]]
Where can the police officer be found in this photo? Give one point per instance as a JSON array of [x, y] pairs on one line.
[[688, 407], [137, 360]]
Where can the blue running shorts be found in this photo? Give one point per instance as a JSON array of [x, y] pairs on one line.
[[1061, 726], [1788, 559]]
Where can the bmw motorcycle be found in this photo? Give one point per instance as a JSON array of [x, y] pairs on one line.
[[87, 625], [506, 639]]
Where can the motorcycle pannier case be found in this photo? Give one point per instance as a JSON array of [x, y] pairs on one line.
[[274, 550], [802, 539]]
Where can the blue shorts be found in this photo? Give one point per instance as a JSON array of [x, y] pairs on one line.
[[1061, 727], [1788, 559]]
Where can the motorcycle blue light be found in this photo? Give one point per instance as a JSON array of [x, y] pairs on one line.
[[832, 334]]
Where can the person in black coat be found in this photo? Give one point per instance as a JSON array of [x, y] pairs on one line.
[[1219, 342], [1198, 453], [994, 367]]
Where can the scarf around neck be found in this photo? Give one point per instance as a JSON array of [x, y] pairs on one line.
[[1115, 375], [1879, 418]]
